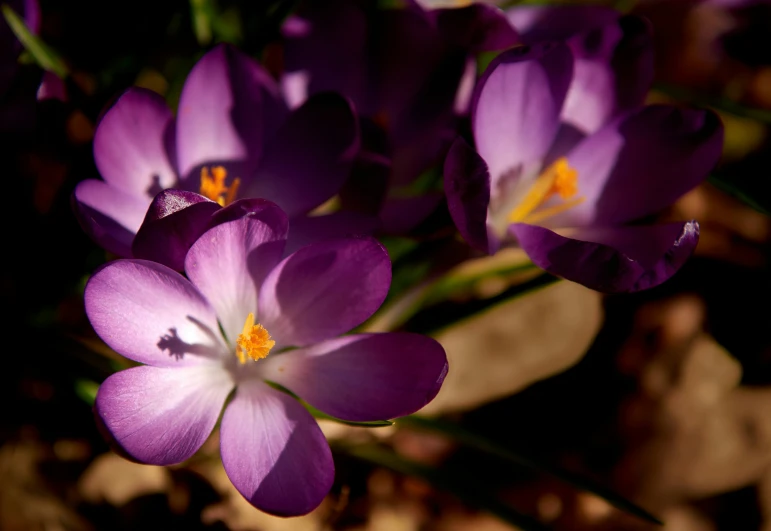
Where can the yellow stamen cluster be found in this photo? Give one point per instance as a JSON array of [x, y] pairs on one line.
[[254, 341], [213, 185], [558, 179]]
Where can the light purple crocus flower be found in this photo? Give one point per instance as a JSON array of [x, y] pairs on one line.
[[233, 137], [574, 205], [408, 70], [232, 325]]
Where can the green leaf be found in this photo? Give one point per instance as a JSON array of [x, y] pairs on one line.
[[749, 188], [427, 321], [403, 304], [86, 390], [478, 442], [44, 56], [323, 416], [465, 489], [202, 13]]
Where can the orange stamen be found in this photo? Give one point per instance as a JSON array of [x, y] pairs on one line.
[[213, 185], [560, 179], [254, 341]]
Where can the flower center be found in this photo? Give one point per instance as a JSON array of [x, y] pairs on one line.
[[558, 179], [213, 185], [254, 341]]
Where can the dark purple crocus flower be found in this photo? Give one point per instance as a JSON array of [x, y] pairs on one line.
[[407, 69], [232, 325], [233, 137], [574, 206]]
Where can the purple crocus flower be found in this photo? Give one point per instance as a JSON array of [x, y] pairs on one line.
[[407, 70], [573, 206], [233, 137], [613, 59], [231, 325]]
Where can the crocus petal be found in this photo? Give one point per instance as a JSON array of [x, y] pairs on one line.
[[324, 290], [229, 261], [640, 164], [477, 27], [52, 87], [130, 144], [274, 451], [615, 260], [32, 15], [110, 217], [311, 229], [517, 105], [310, 157], [152, 314], [613, 72], [229, 106], [467, 185], [591, 99], [633, 62], [175, 219], [364, 377], [162, 416], [421, 58], [325, 49], [558, 23]]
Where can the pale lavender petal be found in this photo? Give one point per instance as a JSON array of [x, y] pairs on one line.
[[175, 219], [614, 57], [229, 262], [517, 105], [311, 229], [467, 185], [324, 290], [228, 109], [152, 314], [364, 377], [162, 416], [274, 451], [642, 163], [310, 157], [110, 217], [130, 144], [591, 99], [613, 259], [613, 72]]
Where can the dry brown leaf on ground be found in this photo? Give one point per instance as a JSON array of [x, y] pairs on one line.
[[514, 344]]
